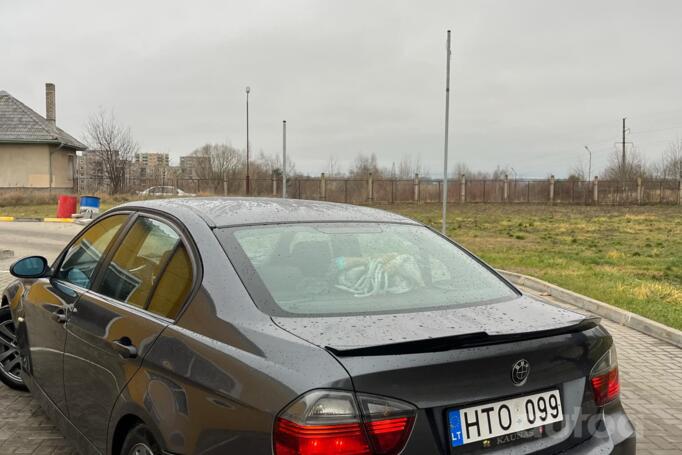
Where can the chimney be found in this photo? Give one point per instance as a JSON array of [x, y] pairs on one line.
[[50, 105]]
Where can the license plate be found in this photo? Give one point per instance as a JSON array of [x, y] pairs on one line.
[[490, 420]]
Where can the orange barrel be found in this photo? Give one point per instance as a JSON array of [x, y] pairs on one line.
[[66, 206]]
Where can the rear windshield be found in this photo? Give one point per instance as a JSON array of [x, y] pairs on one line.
[[356, 268]]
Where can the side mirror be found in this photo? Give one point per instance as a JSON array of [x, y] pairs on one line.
[[30, 267]]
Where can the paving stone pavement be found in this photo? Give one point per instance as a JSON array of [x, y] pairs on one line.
[[651, 390], [651, 386]]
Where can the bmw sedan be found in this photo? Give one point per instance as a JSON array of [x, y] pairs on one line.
[[267, 326]]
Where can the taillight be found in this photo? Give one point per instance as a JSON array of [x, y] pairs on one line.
[[604, 378], [331, 422]]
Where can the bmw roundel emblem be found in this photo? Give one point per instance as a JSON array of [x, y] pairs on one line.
[[520, 372]]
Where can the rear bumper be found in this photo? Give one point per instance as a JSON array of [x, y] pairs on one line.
[[616, 435], [611, 433]]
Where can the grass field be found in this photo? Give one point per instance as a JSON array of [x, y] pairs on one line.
[[630, 257]]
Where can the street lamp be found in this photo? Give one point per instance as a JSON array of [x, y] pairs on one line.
[[248, 90], [589, 166]]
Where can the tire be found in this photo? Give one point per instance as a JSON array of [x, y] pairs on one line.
[[140, 441], [10, 361]]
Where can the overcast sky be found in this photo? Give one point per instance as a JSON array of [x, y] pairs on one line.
[[533, 81]]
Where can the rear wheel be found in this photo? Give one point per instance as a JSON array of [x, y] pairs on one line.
[[140, 441], [10, 362]]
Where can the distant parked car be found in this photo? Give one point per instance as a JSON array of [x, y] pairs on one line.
[[163, 191]]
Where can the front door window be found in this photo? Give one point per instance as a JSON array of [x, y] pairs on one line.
[[82, 257]]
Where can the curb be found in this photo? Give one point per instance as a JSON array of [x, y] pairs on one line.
[[610, 312], [35, 220]]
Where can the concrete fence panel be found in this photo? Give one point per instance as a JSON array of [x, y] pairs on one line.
[[357, 190]]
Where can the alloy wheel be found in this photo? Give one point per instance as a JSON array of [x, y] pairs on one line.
[[140, 449], [10, 362]]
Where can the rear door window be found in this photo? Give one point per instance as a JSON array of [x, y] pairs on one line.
[[137, 265], [174, 285]]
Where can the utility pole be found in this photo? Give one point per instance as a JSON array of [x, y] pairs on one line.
[[248, 177], [623, 159], [589, 166], [284, 159], [447, 122]]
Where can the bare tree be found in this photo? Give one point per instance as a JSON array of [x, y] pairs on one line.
[[407, 167], [577, 172], [216, 162], [460, 169], [634, 167], [265, 166], [499, 172], [671, 167], [364, 164], [114, 146], [333, 167]]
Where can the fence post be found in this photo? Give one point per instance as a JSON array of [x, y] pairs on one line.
[[551, 189], [463, 189], [595, 190], [639, 190], [274, 184], [323, 187], [416, 187], [370, 188], [506, 188]]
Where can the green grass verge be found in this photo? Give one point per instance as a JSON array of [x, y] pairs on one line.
[[630, 257]]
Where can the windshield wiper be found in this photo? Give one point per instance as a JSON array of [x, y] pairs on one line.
[[461, 341]]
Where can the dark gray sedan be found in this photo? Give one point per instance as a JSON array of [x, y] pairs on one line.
[[264, 326]]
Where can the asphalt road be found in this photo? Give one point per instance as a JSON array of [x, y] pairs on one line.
[[651, 370], [45, 239]]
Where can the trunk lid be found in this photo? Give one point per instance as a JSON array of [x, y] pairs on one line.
[[523, 315], [453, 359]]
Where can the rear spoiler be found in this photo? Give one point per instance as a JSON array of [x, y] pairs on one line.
[[467, 340]]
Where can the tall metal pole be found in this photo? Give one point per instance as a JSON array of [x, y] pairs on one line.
[[623, 160], [284, 158], [589, 166], [248, 176], [445, 148]]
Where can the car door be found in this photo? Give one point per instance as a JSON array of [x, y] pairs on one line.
[[49, 301], [118, 320]]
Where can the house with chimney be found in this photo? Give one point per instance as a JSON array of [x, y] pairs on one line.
[[35, 154]]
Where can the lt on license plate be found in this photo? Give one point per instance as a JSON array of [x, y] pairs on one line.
[[504, 417]]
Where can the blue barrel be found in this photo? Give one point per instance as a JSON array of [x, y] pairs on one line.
[[90, 203]]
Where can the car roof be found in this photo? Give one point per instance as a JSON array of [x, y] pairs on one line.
[[235, 211]]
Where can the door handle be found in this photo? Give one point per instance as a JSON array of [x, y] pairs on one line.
[[59, 316], [125, 348]]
